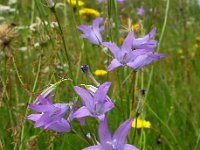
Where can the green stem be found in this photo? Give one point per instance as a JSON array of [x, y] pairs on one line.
[[160, 40], [26, 112], [134, 87], [64, 42]]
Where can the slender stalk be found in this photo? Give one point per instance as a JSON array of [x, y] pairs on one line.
[[162, 122], [32, 11], [26, 112], [160, 40], [116, 20], [134, 86], [64, 42]]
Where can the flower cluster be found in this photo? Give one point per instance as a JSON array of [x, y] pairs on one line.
[[50, 116], [134, 52]]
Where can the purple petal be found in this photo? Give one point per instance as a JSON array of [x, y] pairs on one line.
[[101, 92], [85, 96], [130, 147], [41, 100], [107, 106], [81, 112], [139, 62], [60, 126], [96, 28], [121, 133], [96, 147], [44, 119], [127, 44], [114, 64], [152, 33], [97, 22], [41, 108], [144, 59], [34, 117], [84, 28], [112, 47], [101, 28], [104, 134], [89, 33]]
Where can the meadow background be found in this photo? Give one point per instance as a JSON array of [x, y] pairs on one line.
[[34, 59]]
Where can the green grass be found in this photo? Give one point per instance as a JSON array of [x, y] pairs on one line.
[[171, 104]]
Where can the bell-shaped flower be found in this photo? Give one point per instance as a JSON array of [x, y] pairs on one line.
[[49, 116], [145, 42], [140, 11], [94, 105], [115, 142], [92, 33], [128, 56]]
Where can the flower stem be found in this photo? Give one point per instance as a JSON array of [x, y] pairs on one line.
[[160, 40], [64, 42], [26, 112]]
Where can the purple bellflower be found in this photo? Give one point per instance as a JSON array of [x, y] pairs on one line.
[[140, 11], [145, 42], [94, 105], [92, 33], [115, 142], [128, 55], [49, 116]]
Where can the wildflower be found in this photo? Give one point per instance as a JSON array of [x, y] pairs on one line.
[[140, 11], [94, 105], [92, 33], [100, 72], [92, 89], [73, 2], [140, 123], [89, 12], [195, 46], [129, 26], [115, 142], [125, 56], [180, 51], [135, 27], [49, 116], [145, 42]]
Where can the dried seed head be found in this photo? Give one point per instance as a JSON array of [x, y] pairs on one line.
[[7, 33]]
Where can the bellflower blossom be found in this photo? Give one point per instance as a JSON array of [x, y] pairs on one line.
[[94, 105], [127, 55], [140, 11], [115, 142], [92, 33], [49, 116], [145, 42]]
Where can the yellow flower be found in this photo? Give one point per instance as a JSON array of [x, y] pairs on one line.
[[136, 27], [89, 12], [100, 72], [73, 2], [141, 123], [180, 51], [196, 46]]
